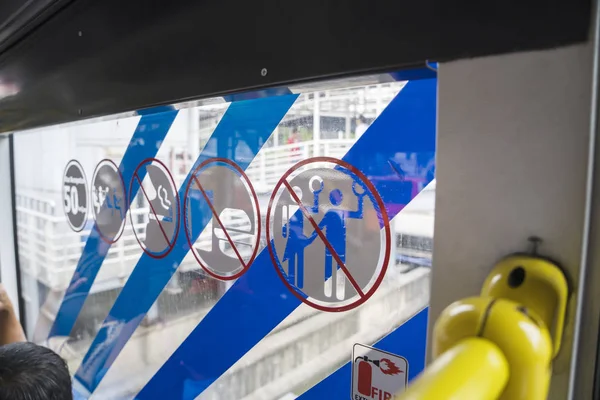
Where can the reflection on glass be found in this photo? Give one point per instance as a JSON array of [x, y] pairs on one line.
[[324, 123]]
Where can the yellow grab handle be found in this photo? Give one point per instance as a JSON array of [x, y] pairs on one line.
[[519, 333], [473, 369], [499, 346], [535, 283]]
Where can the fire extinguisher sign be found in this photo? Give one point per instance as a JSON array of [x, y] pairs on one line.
[[377, 374]]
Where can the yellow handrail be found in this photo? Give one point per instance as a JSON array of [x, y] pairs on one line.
[[473, 369], [498, 346]]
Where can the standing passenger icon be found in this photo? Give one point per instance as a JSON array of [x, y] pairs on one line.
[[324, 216], [297, 241], [334, 225]]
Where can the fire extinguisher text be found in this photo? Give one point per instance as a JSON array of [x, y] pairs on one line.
[[376, 394]]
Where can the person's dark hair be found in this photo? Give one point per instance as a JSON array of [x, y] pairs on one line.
[[32, 372], [362, 119]]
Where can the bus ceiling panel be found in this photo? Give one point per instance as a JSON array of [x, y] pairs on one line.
[[96, 58], [18, 17]]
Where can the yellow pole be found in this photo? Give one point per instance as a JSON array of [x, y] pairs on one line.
[[475, 368]]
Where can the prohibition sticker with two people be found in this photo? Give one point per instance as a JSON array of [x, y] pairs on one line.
[[328, 234]]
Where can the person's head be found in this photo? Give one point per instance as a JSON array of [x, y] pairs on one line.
[[336, 197], [362, 119], [32, 372], [295, 132]]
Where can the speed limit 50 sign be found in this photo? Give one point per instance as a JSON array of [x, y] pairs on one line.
[[75, 200]]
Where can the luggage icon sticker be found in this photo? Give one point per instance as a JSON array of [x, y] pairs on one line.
[[221, 197]]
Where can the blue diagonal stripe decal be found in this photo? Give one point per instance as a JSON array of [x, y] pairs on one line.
[[242, 131], [409, 340], [258, 301], [145, 142]]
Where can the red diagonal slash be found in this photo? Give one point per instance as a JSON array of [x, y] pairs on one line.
[[324, 239], [216, 216], [153, 212]]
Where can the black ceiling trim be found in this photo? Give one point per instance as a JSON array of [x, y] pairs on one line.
[[102, 57]]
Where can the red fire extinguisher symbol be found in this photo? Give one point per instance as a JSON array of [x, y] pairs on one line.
[[364, 376], [365, 372]]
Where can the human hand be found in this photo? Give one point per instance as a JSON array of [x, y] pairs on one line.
[[10, 328], [6, 306]]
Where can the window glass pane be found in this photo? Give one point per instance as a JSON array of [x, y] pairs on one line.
[[314, 189]]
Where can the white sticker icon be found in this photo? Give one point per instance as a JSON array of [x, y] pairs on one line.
[[377, 374]]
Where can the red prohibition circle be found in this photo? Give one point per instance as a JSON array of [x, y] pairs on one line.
[[171, 244], [386, 225], [118, 236], [236, 167]]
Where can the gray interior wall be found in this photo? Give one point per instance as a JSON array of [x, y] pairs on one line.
[[513, 135]]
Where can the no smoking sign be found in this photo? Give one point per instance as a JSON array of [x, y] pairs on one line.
[[156, 190]]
